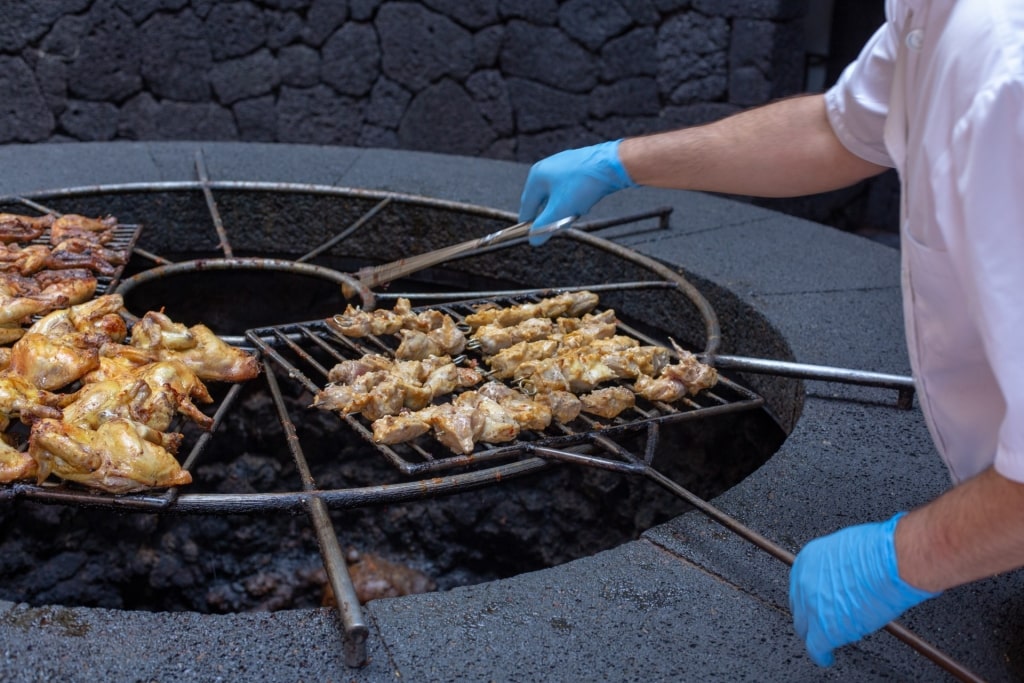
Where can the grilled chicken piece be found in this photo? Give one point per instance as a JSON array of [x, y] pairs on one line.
[[14, 464], [577, 332], [16, 228], [197, 347], [492, 423], [469, 418], [20, 398], [76, 252], [493, 338], [66, 287], [347, 371], [26, 260], [89, 316], [528, 413], [100, 402], [634, 362], [9, 333], [355, 322], [565, 406], [608, 402], [14, 309], [446, 340], [541, 376], [114, 457], [686, 377], [452, 427], [569, 305], [52, 363], [73, 226], [392, 429], [506, 362], [396, 386]]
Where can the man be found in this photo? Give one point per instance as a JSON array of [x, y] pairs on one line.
[[937, 93]]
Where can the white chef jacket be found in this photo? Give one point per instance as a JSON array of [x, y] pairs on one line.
[[938, 93]]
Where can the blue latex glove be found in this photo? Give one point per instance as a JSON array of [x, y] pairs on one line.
[[570, 183], [846, 585]]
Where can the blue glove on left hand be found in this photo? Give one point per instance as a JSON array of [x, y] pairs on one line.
[[570, 183], [847, 585]]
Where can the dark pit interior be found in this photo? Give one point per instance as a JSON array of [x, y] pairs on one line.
[[73, 555]]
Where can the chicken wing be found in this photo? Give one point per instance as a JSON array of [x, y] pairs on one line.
[[15, 465]]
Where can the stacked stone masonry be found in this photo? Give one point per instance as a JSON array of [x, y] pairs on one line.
[[507, 79]]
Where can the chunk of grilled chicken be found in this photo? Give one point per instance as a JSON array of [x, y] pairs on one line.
[[446, 340], [95, 315], [686, 377], [21, 399], [66, 287], [528, 413], [14, 309], [209, 356], [17, 228], [15, 465], [397, 386], [74, 226], [76, 252], [114, 457], [355, 322], [565, 406], [608, 402], [25, 260], [634, 362], [52, 363], [569, 305], [459, 424], [393, 429], [493, 338], [505, 363], [100, 402]]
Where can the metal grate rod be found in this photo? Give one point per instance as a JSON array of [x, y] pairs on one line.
[[351, 616]]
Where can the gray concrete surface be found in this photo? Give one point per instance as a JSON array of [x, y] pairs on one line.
[[688, 601]]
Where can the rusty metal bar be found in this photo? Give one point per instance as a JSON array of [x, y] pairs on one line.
[[903, 384], [211, 203], [923, 647], [349, 612]]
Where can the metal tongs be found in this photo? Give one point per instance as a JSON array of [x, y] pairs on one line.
[[372, 276]]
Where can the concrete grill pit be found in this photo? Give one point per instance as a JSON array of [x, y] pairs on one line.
[[685, 599]]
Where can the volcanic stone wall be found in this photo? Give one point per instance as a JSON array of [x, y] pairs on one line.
[[510, 79]]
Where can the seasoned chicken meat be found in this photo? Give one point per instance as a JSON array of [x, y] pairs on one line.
[[15, 465], [569, 305], [686, 377], [17, 228], [54, 362], [608, 402], [355, 322], [198, 347], [491, 339], [114, 457], [73, 226]]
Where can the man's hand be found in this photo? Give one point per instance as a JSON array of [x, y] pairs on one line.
[[847, 585], [570, 183]]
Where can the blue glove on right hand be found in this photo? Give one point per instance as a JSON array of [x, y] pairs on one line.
[[845, 585], [570, 183]]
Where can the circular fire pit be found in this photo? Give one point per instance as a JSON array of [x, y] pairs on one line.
[[669, 605]]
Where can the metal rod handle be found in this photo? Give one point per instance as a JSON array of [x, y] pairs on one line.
[[925, 648]]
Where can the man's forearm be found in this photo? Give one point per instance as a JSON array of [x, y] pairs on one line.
[[973, 531], [784, 149]]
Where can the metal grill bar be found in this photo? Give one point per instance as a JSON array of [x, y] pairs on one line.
[[351, 616]]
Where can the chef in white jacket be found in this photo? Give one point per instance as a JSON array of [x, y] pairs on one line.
[[937, 93]]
